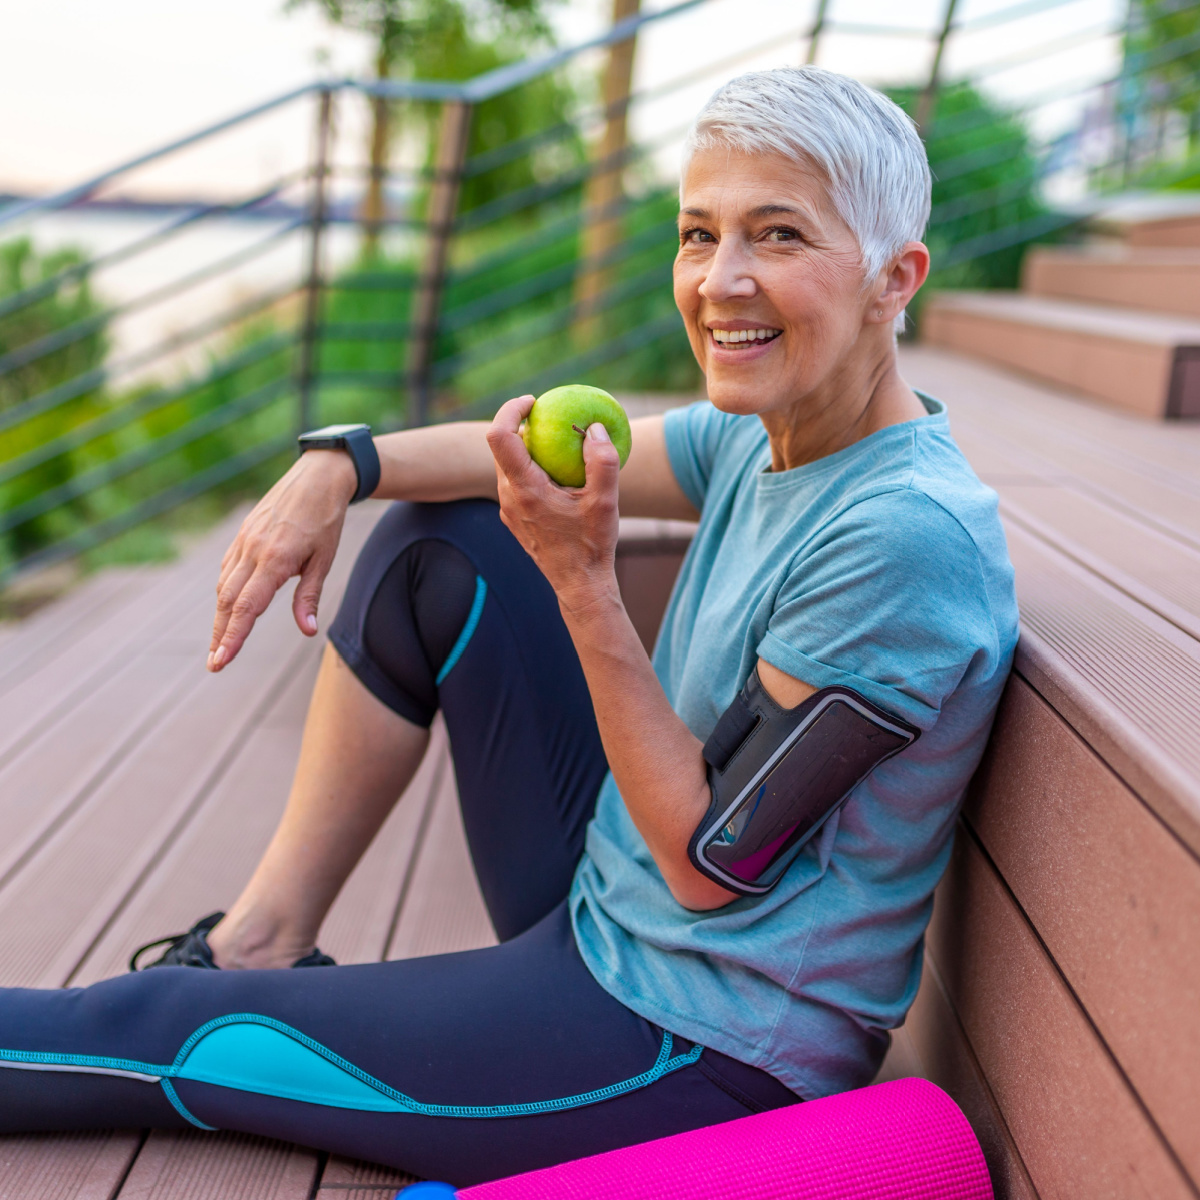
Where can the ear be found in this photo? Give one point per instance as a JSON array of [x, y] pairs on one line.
[[898, 283]]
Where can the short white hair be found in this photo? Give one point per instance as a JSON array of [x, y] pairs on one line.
[[866, 147]]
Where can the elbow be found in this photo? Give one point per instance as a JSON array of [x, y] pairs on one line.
[[697, 893]]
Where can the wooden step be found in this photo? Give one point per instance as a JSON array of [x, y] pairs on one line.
[[1080, 1127], [1155, 280], [1146, 363], [1113, 894], [1173, 231], [1152, 219]]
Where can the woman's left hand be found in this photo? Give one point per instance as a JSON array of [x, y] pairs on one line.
[[571, 533]]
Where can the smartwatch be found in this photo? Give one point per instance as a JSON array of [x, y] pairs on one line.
[[356, 440]]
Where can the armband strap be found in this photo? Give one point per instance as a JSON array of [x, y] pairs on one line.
[[777, 775]]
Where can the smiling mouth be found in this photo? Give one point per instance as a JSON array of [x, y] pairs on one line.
[[739, 339]]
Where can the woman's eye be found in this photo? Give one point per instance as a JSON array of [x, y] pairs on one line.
[[783, 233], [695, 236]]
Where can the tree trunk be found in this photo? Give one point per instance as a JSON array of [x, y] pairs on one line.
[[374, 209], [604, 193]]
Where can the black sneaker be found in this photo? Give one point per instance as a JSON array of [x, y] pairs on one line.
[[191, 949]]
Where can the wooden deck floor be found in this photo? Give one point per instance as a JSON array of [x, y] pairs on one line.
[[136, 792]]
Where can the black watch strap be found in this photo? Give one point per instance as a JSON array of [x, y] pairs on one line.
[[356, 440]]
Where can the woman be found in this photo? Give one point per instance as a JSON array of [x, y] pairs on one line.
[[843, 541]]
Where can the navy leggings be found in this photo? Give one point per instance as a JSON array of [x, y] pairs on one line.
[[461, 1067]]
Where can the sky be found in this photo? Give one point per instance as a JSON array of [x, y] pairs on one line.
[[84, 84]]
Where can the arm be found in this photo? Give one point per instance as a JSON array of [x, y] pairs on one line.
[[655, 758], [295, 528]]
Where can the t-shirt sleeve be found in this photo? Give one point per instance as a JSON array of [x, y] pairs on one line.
[[694, 436], [888, 600]]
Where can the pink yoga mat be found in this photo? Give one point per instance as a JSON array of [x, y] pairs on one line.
[[904, 1140]]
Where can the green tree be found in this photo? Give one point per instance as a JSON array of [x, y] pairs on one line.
[[52, 330], [985, 190], [1163, 46], [443, 39], [61, 309]]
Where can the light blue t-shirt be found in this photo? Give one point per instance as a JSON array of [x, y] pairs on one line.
[[883, 568]]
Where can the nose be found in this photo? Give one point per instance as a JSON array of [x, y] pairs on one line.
[[729, 276]]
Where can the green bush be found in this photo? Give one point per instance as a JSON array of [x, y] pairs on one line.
[[985, 184]]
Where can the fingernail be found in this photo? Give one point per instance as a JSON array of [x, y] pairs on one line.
[[218, 659], [310, 623], [598, 433]]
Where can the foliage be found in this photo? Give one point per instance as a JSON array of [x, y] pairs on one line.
[[539, 111], [405, 30], [71, 311], [462, 39], [985, 190], [120, 460], [70, 306], [1164, 42]]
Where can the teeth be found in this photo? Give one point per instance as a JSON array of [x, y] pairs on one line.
[[744, 335]]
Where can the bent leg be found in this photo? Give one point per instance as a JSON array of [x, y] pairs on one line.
[[356, 758], [443, 609], [475, 629], [461, 1067]]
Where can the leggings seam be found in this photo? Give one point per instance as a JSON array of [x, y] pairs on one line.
[[664, 1065], [730, 1089], [467, 631]]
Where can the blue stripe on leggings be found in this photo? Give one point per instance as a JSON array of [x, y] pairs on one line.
[[226, 1066], [467, 630]]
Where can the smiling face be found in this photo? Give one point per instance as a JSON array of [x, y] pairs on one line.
[[769, 280]]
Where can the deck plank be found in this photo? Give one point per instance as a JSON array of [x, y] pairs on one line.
[[172, 599], [53, 629], [217, 714], [348, 1179], [931, 1044], [219, 1166], [1127, 680], [1113, 894], [64, 896], [65, 1166], [1079, 1128]]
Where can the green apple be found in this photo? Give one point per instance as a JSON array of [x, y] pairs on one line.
[[556, 425]]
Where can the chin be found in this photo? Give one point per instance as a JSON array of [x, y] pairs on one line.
[[740, 397]]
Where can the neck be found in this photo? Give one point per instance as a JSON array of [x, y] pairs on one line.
[[857, 399]]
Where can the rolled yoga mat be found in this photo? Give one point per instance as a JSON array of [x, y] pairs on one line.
[[902, 1140]]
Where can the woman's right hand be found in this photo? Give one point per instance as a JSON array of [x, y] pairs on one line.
[[293, 530]]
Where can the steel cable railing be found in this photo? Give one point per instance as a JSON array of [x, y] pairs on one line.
[[507, 310]]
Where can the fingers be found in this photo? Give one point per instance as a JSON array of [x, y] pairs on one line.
[[601, 462], [505, 442], [250, 603], [308, 595], [512, 413], [229, 587]]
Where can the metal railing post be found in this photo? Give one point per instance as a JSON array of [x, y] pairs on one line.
[[310, 329], [814, 34], [451, 154], [928, 99]]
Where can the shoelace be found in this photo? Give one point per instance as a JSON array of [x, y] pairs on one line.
[[175, 940]]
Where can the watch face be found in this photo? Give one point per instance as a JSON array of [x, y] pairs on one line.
[[332, 431]]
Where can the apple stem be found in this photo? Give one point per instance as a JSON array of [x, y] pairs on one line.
[[581, 432]]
